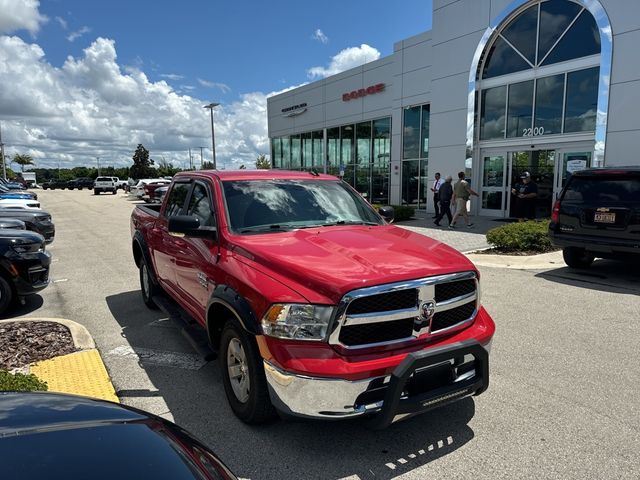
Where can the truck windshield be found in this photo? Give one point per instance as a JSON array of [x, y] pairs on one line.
[[258, 206]]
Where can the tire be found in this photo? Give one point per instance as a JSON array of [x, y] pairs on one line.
[[247, 391], [95, 191], [6, 295], [147, 288], [114, 191], [577, 257], [79, 188]]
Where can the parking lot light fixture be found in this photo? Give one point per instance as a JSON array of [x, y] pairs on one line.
[[211, 106]]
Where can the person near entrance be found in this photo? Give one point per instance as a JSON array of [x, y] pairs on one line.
[[461, 194], [445, 194], [435, 189], [525, 194]]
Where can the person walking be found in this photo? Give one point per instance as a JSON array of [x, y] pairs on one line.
[[525, 195], [445, 194], [435, 189], [461, 194]]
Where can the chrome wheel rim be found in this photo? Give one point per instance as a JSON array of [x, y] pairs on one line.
[[145, 281], [238, 370]]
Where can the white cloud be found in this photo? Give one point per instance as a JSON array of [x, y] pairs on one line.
[[320, 36], [20, 15], [172, 76], [224, 88], [62, 22], [344, 60], [78, 33], [91, 106]]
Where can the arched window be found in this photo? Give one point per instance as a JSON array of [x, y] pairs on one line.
[[540, 73]]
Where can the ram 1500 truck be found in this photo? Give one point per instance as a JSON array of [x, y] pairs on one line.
[[316, 305]]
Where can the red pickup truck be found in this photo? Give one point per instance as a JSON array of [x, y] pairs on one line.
[[316, 305]]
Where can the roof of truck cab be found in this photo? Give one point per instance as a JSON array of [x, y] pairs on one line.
[[257, 175]]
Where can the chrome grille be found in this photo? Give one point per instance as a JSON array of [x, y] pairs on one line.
[[399, 312]]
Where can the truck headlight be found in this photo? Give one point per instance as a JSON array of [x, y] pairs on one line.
[[297, 321]]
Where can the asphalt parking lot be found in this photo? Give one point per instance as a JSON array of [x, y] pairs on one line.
[[562, 403]]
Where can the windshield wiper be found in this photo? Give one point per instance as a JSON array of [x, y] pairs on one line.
[[349, 222], [265, 228]]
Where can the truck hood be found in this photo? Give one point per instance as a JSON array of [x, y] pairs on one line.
[[331, 261]]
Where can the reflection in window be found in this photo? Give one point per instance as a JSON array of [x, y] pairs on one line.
[[410, 182], [520, 32], [306, 150], [520, 108], [555, 17], [333, 147], [492, 200], [493, 113], [363, 143], [582, 98], [199, 206], [503, 59], [177, 196], [582, 39], [411, 133], [286, 153], [316, 161], [296, 152], [276, 152], [493, 169], [424, 137], [549, 95], [346, 144], [382, 141]]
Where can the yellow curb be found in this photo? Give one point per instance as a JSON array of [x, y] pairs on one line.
[[80, 373]]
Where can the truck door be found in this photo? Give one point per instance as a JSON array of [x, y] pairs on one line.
[[167, 247], [196, 261]]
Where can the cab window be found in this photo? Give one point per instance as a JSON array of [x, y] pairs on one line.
[[177, 197], [200, 207]]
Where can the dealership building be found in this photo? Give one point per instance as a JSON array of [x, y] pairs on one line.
[[495, 89]]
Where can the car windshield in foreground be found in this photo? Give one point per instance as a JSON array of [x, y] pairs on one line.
[[259, 206]]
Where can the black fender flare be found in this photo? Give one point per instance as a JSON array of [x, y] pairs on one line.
[[141, 243], [228, 298]]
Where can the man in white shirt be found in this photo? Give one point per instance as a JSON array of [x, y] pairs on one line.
[[435, 189]]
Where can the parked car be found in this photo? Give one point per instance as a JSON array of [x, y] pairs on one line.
[[53, 435], [151, 187], [80, 183], [24, 265], [159, 193], [18, 203], [54, 185], [598, 215], [120, 184], [104, 184], [317, 306], [12, 224], [37, 221], [23, 194], [137, 190]]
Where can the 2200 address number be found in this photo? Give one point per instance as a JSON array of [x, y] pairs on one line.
[[532, 132]]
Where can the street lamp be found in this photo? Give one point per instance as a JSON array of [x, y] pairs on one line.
[[98, 163], [201, 158], [211, 106]]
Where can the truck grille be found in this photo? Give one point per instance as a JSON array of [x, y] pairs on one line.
[[394, 313]]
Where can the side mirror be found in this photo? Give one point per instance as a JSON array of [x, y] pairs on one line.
[[387, 213], [181, 225]]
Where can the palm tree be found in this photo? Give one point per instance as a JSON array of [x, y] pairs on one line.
[[22, 160]]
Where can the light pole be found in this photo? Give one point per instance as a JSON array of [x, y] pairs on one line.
[[201, 159], [4, 166], [98, 163], [211, 106]]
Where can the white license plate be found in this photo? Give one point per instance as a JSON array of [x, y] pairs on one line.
[[601, 217]]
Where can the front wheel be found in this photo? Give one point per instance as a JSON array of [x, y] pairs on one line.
[[114, 191], [96, 191], [577, 257], [6, 295], [147, 287], [243, 376]]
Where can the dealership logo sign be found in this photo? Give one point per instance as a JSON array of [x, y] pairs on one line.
[[363, 92], [294, 110]]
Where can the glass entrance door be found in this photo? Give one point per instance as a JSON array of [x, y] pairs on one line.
[[569, 162], [493, 186], [541, 166]]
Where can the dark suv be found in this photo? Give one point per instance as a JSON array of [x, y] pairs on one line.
[[80, 183], [598, 215]]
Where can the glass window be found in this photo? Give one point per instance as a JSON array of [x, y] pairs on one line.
[[382, 141], [582, 39], [363, 143], [503, 59], [411, 133], [276, 153], [520, 110], [492, 200], [363, 177], [582, 100], [296, 152], [286, 152], [492, 116], [317, 139], [555, 17], [549, 96], [306, 150], [380, 184], [177, 197], [346, 144], [493, 171], [521, 33], [424, 152], [333, 147], [200, 207], [603, 189], [410, 183]]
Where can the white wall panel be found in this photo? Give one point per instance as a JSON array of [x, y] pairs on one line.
[[448, 128], [621, 148], [452, 93], [624, 105], [625, 59], [416, 57], [624, 15], [458, 19], [455, 56], [416, 82]]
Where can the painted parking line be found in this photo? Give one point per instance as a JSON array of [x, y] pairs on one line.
[[160, 358], [412, 456]]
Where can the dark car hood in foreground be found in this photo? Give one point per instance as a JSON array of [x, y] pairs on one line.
[[334, 260], [20, 235], [46, 435]]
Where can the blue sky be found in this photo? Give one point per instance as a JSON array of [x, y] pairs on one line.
[[203, 50]]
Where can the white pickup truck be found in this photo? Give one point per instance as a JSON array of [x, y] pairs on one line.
[[104, 184]]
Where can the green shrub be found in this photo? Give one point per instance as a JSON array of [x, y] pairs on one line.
[[19, 382], [531, 236], [403, 212]]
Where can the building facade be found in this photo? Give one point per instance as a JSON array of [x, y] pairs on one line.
[[495, 89]]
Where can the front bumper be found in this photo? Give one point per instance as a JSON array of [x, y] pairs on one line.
[[32, 273], [424, 380]]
